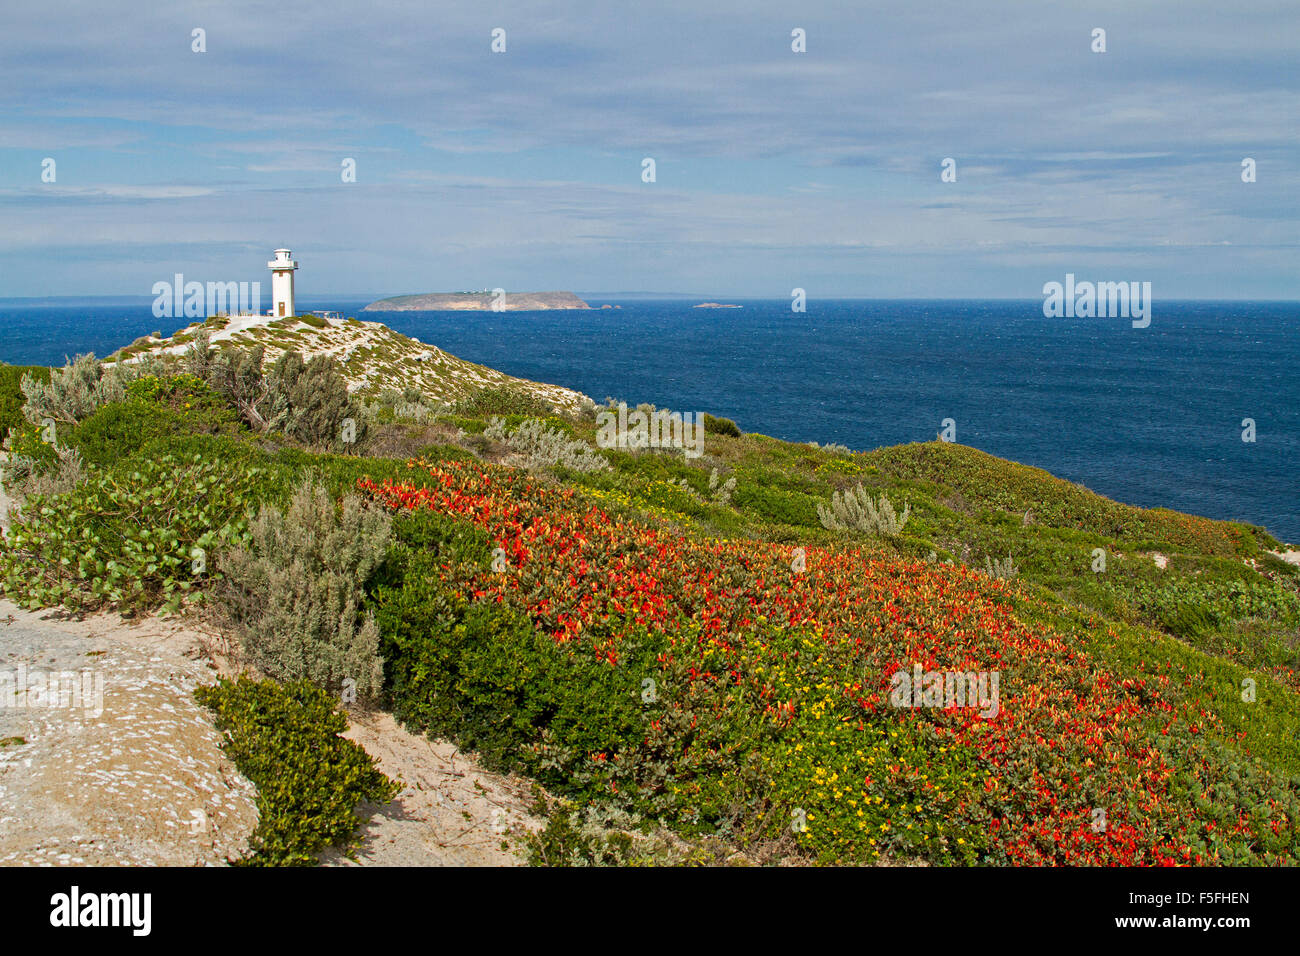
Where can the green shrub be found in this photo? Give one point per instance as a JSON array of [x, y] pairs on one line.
[[232, 449], [502, 400], [180, 392], [721, 426], [1189, 607], [425, 539], [153, 408], [293, 595], [484, 676], [285, 740], [131, 537], [776, 505]]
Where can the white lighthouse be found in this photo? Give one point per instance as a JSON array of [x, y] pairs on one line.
[[282, 267]]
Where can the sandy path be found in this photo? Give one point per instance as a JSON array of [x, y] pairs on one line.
[[451, 812]]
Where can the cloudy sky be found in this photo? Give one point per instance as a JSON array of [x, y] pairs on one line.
[[774, 169]]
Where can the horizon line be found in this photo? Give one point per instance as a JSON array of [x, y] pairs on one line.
[[715, 296]]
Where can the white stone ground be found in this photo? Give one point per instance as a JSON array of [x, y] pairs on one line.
[[129, 773]]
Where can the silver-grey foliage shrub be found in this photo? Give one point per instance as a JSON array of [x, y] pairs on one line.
[[236, 375], [21, 477], [309, 400], [999, 568], [721, 490], [74, 391], [293, 597], [535, 445], [855, 510], [408, 405]]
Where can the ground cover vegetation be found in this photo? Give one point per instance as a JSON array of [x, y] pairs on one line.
[[695, 658]]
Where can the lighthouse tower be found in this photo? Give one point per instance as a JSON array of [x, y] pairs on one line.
[[282, 267]]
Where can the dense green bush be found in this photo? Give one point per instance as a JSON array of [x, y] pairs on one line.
[[285, 739], [424, 540], [153, 408], [721, 426], [132, 537], [502, 400], [292, 596], [180, 392], [776, 505]]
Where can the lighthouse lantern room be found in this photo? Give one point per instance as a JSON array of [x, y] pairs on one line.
[[282, 268]]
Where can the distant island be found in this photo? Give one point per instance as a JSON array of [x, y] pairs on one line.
[[478, 302], [717, 305]]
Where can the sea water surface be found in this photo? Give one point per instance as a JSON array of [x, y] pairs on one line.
[[1151, 416]]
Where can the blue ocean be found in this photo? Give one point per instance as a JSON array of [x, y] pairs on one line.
[[1151, 417]]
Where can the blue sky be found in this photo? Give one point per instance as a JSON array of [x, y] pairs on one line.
[[774, 169]]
